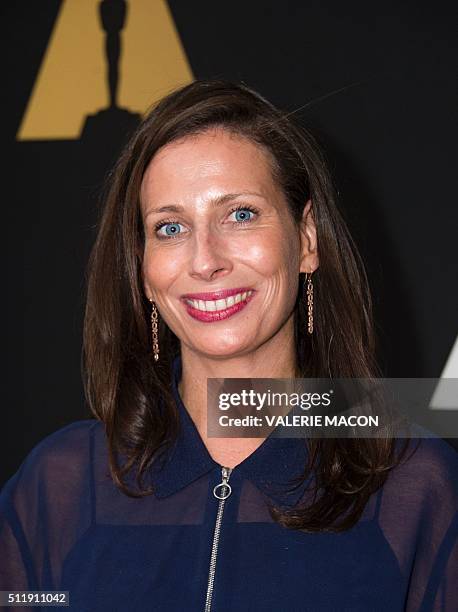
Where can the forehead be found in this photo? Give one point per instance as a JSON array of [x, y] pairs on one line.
[[215, 159]]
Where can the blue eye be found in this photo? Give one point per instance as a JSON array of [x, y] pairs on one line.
[[171, 229], [244, 214]]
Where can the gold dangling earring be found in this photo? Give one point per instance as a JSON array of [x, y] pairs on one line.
[[309, 292], [154, 317]]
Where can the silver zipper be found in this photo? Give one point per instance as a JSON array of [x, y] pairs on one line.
[[221, 491]]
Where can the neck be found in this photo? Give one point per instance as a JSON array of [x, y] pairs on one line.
[[274, 359]]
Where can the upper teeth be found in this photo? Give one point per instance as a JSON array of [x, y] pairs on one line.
[[214, 305]]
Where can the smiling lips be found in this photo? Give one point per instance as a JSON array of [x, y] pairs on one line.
[[226, 303]]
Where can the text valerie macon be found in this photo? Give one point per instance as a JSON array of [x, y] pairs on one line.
[[299, 420]]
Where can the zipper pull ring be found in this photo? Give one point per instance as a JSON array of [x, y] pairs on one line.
[[225, 486]]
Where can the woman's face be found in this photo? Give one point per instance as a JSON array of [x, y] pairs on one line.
[[203, 257]]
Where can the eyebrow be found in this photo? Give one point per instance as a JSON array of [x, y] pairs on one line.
[[215, 202]]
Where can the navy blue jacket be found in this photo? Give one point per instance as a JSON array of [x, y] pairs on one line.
[[65, 526]]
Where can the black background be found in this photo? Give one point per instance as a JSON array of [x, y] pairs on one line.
[[375, 81]]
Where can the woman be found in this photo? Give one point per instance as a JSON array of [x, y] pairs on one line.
[[221, 253]]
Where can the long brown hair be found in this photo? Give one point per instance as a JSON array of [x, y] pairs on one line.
[[123, 383]]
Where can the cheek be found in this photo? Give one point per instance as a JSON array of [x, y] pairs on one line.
[[273, 254], [159, 268]]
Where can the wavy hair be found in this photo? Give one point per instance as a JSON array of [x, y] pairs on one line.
[[122, 381]]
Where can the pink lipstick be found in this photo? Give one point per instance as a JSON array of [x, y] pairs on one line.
[[216, 295], [221, 305]]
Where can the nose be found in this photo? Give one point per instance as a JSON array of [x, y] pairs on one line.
[[209, 258]]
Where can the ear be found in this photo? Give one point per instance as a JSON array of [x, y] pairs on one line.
[[142, 275], [146, 288], [309, 261]]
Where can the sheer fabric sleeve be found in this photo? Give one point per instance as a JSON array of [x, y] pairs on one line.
[[44, 508], [419, 517]]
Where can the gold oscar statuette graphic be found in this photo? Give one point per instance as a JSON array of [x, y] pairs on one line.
[[107, 59]]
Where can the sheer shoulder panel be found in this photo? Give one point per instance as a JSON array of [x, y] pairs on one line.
[[418, 514], [45, 507]]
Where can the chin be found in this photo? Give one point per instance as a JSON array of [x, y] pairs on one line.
[[222, 351]]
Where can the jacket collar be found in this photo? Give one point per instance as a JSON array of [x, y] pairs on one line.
[[269, 467]]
